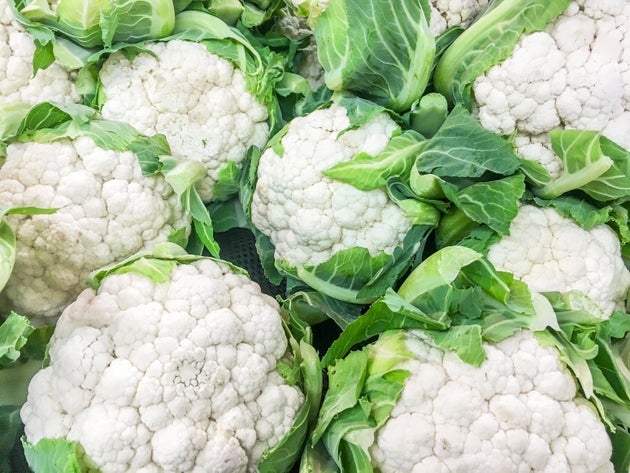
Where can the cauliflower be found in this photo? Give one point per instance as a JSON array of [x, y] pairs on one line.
[[308, 216], [198, 100], [550, 252], [518, 411], [107, 210], [17, 82], [176, 375], [574, 75], [448, 13]]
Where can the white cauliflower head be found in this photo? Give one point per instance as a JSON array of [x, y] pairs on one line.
[[198, 100], [107, 211], [17, 82], [516, 412], [550, 252], [448, 13], [172, 376], [308, 216], [574, 75]]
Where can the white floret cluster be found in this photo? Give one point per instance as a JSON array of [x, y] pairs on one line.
[[198, 100], [551, 252], [516, 412], [574, 75], [17, 82], [106, 211], [308, 216], [448, 13], [170, 377]]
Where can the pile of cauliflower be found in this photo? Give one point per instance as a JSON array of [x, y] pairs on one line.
[[163, 359]]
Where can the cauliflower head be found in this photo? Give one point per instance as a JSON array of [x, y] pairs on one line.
[[448, 13], [308, 216], [17, 82], [198, 100], [171, 376], [106, 211], [574, 75], [550, 252], [516, 412]]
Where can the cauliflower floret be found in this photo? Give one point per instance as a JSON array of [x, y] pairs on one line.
[[309, 216], [198, 100], [550, 252], [574, 75], [448, 13], [177, 376], [107, 211], [517, 412], [17, 83]]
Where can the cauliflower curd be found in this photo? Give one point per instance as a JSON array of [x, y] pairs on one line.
[[106, 211], [550, 252], [574, 75], [517, 412], [198, 100], [175, 376], [309, 216], [17, 82]]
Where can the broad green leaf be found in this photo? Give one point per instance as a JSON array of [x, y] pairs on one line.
[[285, 453], [427, 115], [314, 307], [14, 333], [11, 116], [489, 41], [345, 383], [621, 450], [94, 23], [10, 427], [376, 49], [134, 21], [360, 111], [156, 264], [592, 163], [493, 203], [353, 275], [367, 172], [342, 276], [465, 340], [57, 455], [439, 269], [388, 313], [463, 148]]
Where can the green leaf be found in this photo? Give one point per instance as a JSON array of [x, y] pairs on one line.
[[10, 427], [314, 307], [367, 172], [353, 275], [489, 41], [493, 203], [14, 333], [345, 382], [285, 453], [592, 163], [428, 114], [376, 49], [57, 455], [463, 148], [465, 340], [97, 23], [390, 312], [134, 21], [621, 450]]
